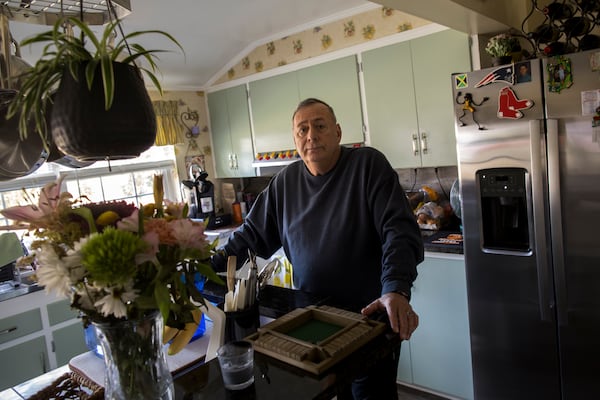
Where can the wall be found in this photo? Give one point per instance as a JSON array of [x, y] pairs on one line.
[[336, 35], [185, 149]]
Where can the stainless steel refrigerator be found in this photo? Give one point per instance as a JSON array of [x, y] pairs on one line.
[[528, 141]]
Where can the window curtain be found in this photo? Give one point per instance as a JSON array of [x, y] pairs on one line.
[[168, 126]]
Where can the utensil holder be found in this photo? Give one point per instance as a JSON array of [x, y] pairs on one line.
[[240, 324]]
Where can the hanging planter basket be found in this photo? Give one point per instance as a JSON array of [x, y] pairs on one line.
[[81, 126]]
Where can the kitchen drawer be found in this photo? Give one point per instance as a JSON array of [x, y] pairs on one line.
[[60, 311], [19, 325]]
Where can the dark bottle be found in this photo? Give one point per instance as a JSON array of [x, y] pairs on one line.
[[205, 193], [557, 48], [558, 10]]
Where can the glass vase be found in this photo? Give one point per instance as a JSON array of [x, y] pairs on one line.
[[136, 365]]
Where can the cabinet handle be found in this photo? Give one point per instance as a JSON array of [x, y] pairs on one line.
[[8, 330], [235, 161], [424, 143], [230, 161], [415, 144]]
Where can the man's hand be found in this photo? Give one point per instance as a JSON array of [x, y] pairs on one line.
[[401, 315]]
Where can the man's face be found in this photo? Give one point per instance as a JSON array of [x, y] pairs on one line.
[[317, 137]]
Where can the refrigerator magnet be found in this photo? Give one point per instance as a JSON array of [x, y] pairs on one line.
[[504, 74], [523, 70], [559, 74], [467, 103], [461, 81], [509, 106]]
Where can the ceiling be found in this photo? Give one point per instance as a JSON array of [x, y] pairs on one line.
[[215, 34]]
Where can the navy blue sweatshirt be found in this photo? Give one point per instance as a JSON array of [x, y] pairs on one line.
[[350, 234]]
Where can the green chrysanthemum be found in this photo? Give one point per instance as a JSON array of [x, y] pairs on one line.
[[110, 256]]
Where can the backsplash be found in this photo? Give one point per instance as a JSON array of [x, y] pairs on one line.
[[440, 179]]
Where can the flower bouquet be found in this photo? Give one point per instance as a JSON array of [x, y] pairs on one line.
[[120, 264]]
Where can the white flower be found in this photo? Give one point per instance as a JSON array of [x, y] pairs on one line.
[[52, 273], [115, 302], [72, 260], [84, 300]]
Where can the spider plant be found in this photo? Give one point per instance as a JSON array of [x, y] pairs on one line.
[[65, 53]]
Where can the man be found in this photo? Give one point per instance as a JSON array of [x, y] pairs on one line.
[[346, 227]]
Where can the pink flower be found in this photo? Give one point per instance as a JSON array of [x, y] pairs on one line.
[[188, 234], [151, 238], [131, 223], [49, 202], [162, 228]]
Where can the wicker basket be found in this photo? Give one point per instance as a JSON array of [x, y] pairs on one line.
[[71, 386]]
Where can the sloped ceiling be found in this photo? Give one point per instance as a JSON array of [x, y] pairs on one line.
[[213, 33]]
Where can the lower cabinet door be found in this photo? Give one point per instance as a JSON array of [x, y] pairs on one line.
[[23, 362], [438, 355], [69, 342]]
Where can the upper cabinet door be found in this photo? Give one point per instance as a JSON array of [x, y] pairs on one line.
[[241, 135], [221, 138], [336, 83], [409, 98], [435, 58], [273, 100], [391, 108], [231, 133]]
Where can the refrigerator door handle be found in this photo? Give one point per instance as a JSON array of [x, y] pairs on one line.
[[544, 270], [555, 202]]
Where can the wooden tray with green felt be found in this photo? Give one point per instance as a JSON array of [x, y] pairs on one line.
[[315, 338]]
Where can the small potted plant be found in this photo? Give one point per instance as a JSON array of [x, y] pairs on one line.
[[502, 47], [90, 91]]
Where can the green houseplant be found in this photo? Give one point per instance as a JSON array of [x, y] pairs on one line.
[[502, 47], [93, 60]]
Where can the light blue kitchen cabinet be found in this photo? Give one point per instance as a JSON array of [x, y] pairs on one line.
[[231, 132], [336, 83], [60, 311], [16, 326], [67, 341], [38, 332], [409, 100], [23, 362], [274, 99], [438, 355]]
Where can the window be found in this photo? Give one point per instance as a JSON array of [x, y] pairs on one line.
[[129, 180]]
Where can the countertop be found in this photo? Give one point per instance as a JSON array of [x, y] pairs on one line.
[[443, 241], [8, 291]]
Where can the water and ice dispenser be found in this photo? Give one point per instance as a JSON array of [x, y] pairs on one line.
[[504, 216]]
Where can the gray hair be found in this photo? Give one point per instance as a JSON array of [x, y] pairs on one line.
[[309, 102]]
